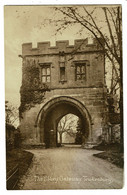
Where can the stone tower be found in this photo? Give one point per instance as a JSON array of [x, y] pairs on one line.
[[57, 81]]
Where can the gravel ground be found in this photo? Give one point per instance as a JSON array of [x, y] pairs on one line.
[[70, 168]]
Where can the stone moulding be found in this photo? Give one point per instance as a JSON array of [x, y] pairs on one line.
[[45, 48]]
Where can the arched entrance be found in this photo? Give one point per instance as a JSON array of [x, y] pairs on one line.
[[51, 113]]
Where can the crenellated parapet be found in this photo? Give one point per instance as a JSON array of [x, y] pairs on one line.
[[80, 45]]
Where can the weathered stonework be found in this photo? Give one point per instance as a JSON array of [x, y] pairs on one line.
[[44, 103]]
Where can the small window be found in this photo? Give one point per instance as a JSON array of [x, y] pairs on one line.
[[81, 71], [62, 73], [45, 74]]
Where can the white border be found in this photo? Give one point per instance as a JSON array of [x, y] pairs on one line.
[[2, 99]]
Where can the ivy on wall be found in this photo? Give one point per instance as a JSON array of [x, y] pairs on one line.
[[32, 90]]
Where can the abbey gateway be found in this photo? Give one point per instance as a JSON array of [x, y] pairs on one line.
[[60, 80]]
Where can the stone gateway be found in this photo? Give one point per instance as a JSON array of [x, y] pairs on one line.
[[60, 80]]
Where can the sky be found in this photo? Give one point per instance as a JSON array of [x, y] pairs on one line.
[[24, 24]]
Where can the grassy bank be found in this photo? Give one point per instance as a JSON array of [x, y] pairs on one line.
[[111, 153], [18, 157]]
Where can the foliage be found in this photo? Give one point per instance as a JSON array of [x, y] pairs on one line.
[[32, 91], [12, 120], [13, 139], [78, 139], [11, 113]]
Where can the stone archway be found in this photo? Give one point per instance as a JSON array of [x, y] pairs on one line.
[[51, 113]]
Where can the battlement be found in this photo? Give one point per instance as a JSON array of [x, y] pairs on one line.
[[45, 47]]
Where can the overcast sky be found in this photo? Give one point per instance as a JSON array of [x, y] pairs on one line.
[[25, 24]]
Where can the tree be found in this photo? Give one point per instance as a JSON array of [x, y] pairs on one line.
[[104, 24], [78, 139], [12, 121], [11, 114], [67, 125]]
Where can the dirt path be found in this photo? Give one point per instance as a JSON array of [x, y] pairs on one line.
[[70, 168]]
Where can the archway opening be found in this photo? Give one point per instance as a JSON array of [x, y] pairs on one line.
[[67, 130], [52, 114]]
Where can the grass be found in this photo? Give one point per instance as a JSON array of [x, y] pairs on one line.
[[18, 157], [111, 153]]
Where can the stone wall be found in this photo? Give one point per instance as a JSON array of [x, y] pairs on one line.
[[90, 92]]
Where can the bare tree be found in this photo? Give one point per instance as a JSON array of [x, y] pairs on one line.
[[11, 114], [67, 125], [104, 24]]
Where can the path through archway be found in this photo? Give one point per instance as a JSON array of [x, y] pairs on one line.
[[53, 111]]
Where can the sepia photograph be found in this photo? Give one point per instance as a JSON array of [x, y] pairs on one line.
[[64, 97]]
